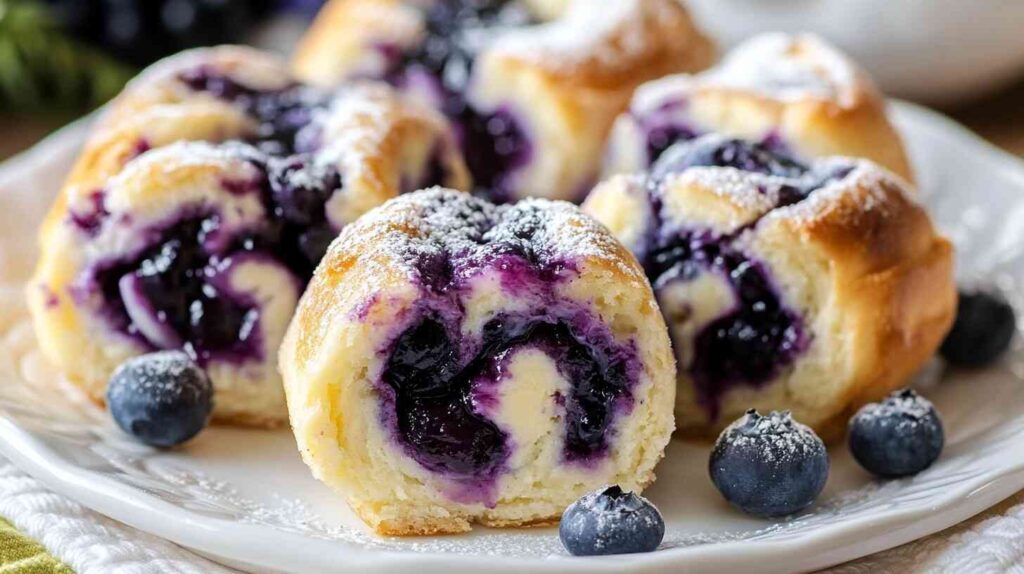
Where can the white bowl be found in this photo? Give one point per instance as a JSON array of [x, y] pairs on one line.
[[932, 51]]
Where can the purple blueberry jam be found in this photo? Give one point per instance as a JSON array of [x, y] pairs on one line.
[[439, 382], [493, 142], [282, 114], [722, 152], [175, 292], [662, 137], [178, 284], [748, 345], [752, 343], [299, 189], [90, 219], [434, 388]]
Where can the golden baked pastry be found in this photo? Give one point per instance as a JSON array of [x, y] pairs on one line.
[[532, 86], [456, 362], [201, 204], [811, 287], [796, 94]]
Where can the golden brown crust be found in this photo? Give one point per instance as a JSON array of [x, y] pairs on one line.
[[795, 90], [611, 48], [369, 289], [818, 128], [564, 81], [893, 280], [157, 148], [859, 259]]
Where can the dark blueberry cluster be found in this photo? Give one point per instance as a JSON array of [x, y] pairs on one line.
[[611, 521], [181, 274], [163, 399], [745, 346], [900, 436], [769, 465], [493, 143]]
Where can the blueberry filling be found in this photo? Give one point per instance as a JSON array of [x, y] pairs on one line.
[[752, 343], [434, 401], [438, 383], [748, 345], [173, 294], [662, 137], [282, 114], [173, 280], [720, 152], [177, 280], [91, 219], [298, 193], [493, 143]]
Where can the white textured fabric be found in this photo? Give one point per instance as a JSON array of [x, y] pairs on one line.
[[86, 541], [990, 543]]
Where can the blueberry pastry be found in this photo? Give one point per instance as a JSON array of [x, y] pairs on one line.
[[532, 86], [456, 362], [795, 94], [811, 287], [199, 208]]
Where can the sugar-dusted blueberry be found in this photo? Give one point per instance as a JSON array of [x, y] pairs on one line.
[[900, 436], [163, 399], [611, 521], [769, 465], [983, 329]]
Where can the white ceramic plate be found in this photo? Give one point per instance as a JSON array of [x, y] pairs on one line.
[[245, 498], [932, 51]]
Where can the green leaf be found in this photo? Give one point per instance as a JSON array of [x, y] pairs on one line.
[[41, 68]]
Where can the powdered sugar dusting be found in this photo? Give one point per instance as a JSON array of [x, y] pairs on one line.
[[749, 190], [788, 68], [581, 35], [875, 185], [777, 437], [611, 38], [164, 375], [782, 67], [444, 234], [905, 404]]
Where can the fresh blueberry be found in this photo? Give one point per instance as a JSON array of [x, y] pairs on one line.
[[983, 329], [610, 521], [163, 399], [900, 436], [769, 465]]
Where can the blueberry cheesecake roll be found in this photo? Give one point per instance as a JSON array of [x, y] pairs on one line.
[[455, 362], [811, 287], [795, 94], [532, 86], [201, 205]]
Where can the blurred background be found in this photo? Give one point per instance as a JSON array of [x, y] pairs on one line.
[[60, 59]]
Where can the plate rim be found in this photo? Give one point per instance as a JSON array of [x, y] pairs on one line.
[[254, 546]]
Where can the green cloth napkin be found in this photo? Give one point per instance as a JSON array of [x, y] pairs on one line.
[[20, 554]]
